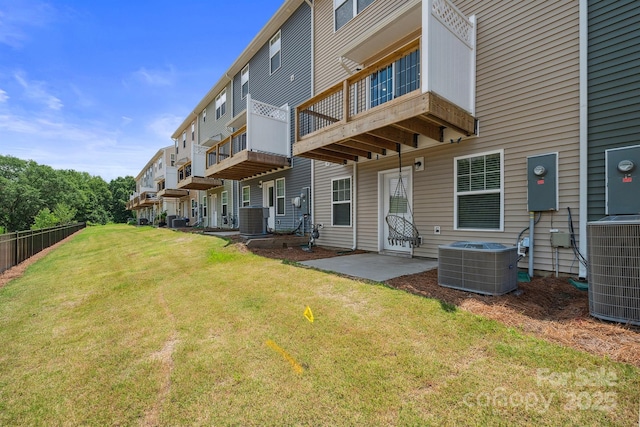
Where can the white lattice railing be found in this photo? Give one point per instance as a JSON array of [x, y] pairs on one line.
[[270, 111], [454, 20]]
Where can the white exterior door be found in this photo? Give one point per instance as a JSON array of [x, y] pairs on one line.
[[269, 201], [214, 210], [395, 199]]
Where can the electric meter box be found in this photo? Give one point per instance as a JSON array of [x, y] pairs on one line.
[[623, 180], [305, 201], [542, 182]]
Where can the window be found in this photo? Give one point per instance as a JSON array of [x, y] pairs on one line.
[[341, 202], [479, 191], [204, 205], [204, 115], [224, 201], [193, 131], [194, 208], [244, 80], [399, 78], [184, 139], [280, 196], [246, 196], [173, 159], [345, 10], [274, 52], [221, 103]]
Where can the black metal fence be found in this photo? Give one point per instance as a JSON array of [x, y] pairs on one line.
[[17, 247]]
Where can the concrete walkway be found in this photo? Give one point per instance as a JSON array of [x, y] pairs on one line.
[[373, 266]]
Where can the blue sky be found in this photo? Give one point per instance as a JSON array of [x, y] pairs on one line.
[[100, 85]]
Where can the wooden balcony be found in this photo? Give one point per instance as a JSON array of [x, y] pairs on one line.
[[231, 159], [376, 110], [147, 199], [173, 193], [187, 181]]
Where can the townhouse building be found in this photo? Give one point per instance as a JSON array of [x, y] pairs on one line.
[[254, 102]]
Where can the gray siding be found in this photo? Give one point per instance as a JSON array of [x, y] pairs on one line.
[[212, 127], [290, 84], [613, 88]]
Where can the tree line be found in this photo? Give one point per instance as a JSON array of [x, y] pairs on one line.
[[38, 196]]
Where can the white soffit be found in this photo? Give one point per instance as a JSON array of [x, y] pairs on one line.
[[393, 27]]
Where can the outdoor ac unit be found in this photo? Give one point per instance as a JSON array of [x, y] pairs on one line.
[[614, 268], [253, 220], [481, 267]]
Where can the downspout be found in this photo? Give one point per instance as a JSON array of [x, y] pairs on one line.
[[584, 146], [311, 84], [354, 198]]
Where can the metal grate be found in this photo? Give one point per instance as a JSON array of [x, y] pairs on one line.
[[614, 270]]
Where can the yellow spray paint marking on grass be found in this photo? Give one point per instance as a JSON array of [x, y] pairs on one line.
[[308, 314], [296, 367]]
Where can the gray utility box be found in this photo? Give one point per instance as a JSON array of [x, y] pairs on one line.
[[481, 267], [170, 219], [178, 223]]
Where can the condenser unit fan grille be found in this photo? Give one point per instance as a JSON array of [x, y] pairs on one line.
[[614, 270]]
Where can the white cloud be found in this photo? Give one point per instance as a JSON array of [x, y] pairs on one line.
[[36, 90], [3, 96], [155, 77], [17, 17], [164, 126]]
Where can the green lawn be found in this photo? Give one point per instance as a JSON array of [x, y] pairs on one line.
[[141, 326]]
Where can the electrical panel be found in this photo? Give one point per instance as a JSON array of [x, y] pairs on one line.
[[623, 180], [305, 201], [542, 182]]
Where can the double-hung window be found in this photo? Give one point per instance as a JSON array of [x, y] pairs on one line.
[[280, 193], [244, 81], [275, 59], [204, 206], [221, 103], [193, 131], [345, 10], [341, 202], [246, 195], [479, 191], [184, 139], [224, 202]]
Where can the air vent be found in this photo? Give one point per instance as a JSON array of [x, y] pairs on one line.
[[481, 267], [253, 220], [614, 268]]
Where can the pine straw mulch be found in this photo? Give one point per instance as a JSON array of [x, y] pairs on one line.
[[548, 307]]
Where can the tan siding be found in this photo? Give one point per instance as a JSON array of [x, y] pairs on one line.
[[328, 43], [339, 237], [527, 103]]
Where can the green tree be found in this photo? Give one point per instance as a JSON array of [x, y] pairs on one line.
[[121, 188], [64, 213], [44, 219]]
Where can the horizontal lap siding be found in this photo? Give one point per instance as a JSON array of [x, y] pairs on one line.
[[339, 237], [613, 89]]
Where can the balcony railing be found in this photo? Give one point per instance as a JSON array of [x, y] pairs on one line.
[[393, 77], [228, 147]]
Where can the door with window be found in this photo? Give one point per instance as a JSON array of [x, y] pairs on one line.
[[269, 201], [395, 198], [214, 210]]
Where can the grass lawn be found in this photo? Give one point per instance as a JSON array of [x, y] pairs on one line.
[[140, 326]]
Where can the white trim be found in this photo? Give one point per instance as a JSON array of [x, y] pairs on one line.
[[245, 72], [276, 50], [283, 197], [456, 194], [584, 135], [220, 103], [351, 218], [408, 170]]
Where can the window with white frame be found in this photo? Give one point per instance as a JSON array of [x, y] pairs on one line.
[[345, 10], [172, 158], [184, 139], [244, 81], [341, 202], [221, 103], [193, 131], [204, 205], [274, 52], [194, 208], [204, 115], [397, 79], [246, 196], [479, 198], [280, 196], [224, 202]]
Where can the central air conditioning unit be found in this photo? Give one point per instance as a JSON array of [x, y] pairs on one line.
[[253, 220], [481, 267], [614, 268]]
